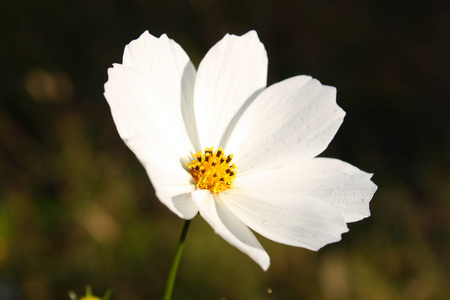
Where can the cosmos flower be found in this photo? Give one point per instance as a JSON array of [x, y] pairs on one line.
[[218, 142]]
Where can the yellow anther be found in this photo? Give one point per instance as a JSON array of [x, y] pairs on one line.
[[212, 170]]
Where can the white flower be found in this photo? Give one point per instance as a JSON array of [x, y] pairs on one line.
[[166, 112]]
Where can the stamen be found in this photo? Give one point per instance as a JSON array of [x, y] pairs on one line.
[[212, 170]]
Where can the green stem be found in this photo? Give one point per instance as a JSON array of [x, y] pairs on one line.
[[176, 262]]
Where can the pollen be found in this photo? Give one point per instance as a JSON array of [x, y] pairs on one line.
[[213, 170]]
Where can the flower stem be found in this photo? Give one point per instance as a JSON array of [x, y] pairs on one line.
[[175, 263]]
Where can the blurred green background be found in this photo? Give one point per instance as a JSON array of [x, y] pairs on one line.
[[77, 208]]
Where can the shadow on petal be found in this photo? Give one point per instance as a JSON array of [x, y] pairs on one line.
[[226, 135]]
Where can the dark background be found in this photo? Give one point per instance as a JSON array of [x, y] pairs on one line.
[[76, 207]]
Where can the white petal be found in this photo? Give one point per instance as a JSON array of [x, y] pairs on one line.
[[291, 121], [172, 184], [146, 129], [342, 185], [171, 75], [232, 73], [229, 227], [177, 198], [282, 214], [345, 187]]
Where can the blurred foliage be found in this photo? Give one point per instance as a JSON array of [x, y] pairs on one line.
[[76, 207]]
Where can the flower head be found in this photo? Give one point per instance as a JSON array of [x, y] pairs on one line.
[[219, 142], [88, 295]]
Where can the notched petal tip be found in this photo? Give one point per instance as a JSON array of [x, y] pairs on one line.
[[144, 35], [251, 36], [252, 33], [333, 91], [108, 82], [371, 191]]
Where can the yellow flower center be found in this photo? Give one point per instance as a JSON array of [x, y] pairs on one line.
[[212, 170]]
